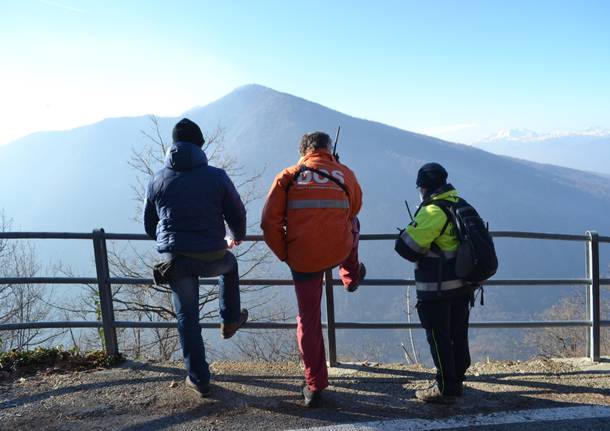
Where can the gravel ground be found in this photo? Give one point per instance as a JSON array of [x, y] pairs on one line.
[[259, 396]]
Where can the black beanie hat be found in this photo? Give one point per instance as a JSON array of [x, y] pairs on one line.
[[187, 131], [431, 176]]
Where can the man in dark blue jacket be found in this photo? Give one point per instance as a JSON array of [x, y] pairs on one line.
[[187, 204]]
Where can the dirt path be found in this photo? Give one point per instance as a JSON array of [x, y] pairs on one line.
[[253, 396]]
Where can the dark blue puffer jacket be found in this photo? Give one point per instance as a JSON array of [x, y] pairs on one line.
[[188, 201]]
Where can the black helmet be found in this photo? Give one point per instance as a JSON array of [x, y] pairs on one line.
[[431, 176]]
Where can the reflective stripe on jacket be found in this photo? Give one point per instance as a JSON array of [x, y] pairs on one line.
[[308, 222]]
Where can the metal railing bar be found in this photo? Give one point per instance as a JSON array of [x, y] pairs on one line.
[[128, 236], [288, 282], [106, 305], [539, 235], [500, 234], [287, 325], [388, 237], [46, 235], [378, 236], [372, 325], [48, 280], [369, 282], [593, 303], [492, 282], [205, 281], [143, 237], [205, 325], [364, 237], [539, 282], [330, 317], [491, 324], [50, 325]]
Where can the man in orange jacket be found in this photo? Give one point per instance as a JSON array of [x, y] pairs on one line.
[[309, 221]]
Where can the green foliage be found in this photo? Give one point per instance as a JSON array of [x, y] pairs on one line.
[[41, 358]]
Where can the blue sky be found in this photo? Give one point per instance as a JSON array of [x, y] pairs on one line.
[[460, 70]]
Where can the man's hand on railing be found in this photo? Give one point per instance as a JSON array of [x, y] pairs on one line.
[[231, 243]]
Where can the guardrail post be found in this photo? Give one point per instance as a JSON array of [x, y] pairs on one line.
[[593, 297], [105, 292], [330, 318]]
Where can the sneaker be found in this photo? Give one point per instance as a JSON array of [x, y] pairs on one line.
[[434, 395], [202, 390], [229, 329], [311, 399], [361, 276]]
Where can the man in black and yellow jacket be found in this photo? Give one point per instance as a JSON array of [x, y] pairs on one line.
[[443, 299]]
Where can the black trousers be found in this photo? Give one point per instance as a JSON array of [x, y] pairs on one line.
[[446, 325]]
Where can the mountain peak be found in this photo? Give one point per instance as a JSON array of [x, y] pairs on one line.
[[249, 93], [255, 90], [513, 135], [527, 135], [252, 87]]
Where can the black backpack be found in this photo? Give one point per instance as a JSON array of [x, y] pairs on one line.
[[476, 259]]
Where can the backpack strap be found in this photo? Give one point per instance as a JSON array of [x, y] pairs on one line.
[[303, 168]]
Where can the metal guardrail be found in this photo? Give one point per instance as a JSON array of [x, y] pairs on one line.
[[104, 281]]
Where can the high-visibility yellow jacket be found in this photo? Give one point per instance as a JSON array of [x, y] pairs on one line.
[[431, 242]]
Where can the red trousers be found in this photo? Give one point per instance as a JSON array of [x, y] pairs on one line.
[[308, 288]]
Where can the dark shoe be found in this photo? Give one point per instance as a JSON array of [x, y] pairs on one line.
[[202, 390], [312, 399], [361, 276], [229, 329], [434, 395], [460, 390]]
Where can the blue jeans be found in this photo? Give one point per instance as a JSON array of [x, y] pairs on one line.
[[184, 282]]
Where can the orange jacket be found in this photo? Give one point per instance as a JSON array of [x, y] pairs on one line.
[[308, 222]]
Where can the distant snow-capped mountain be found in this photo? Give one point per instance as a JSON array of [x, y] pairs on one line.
[[512, 135], [587, 150], [531, 135]]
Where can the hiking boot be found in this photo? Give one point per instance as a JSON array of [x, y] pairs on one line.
[[202, 390], [434, 395], [361, 276], [311, 399], [229, 329]]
